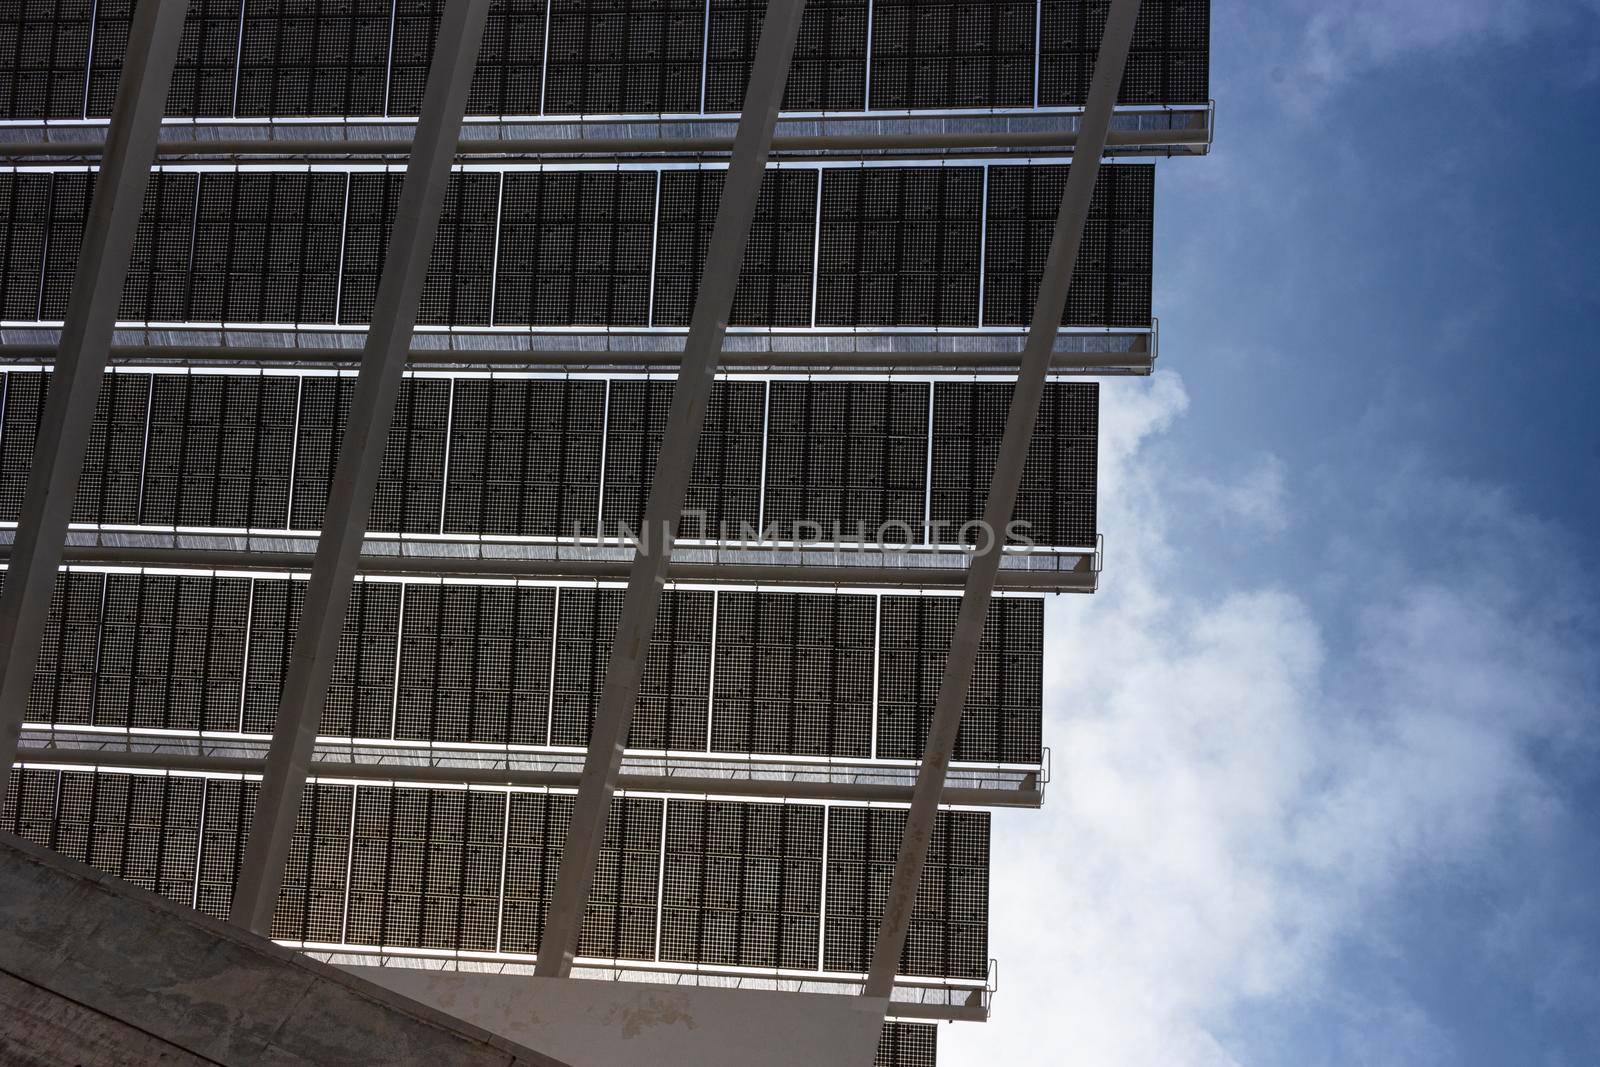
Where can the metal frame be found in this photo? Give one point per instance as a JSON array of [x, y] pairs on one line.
[[360, 460], [86, 335], [713, 304], [982, 574]]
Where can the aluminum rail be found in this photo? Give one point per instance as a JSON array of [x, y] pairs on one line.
[[689, 785], [1069, 572], [1139, 361], [355, 478], [86, 334], [1031, 142], [769, 74], [1001, 502]]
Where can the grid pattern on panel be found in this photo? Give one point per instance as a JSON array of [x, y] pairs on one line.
[[742, 884], [575, 248], [1168, 63], [1056, 500], [411, 40], [847, 461], [109, 47], [208, 52], [827, 73], [65, 216], [461, 270], [724, 484], [19, 432], [1111, 278], [160, 266], [525, 457], [775, 280], [360, 699], [111, 486], [670, 711], [510, 61], [620, 922], [899, 246], [64, 681], [948, 935], [410, 494], [266, 247], [25, 209], [324, 409], [275, 607], [308, 57], [475, 664], [44, 49], [612, 57], [311, 898], [907, 1045], [369, 216], [960, 54], [1000, 722], [794, 674], [536, 833]]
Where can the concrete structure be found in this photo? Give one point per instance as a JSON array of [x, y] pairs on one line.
[[95, 971], [355, 637]]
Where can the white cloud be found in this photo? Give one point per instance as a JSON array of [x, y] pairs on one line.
[[1243, 781]]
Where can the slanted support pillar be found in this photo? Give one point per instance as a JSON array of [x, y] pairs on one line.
[[81, 358], [669, 484], [1002, 499], [355, 478]]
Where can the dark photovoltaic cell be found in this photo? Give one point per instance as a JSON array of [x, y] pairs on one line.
[[1000, 722], [620, 922], [25, 209], [847, 461], [724, 485], [964, 54], [416, 25], [361, 692], [65, 215], [900, 246], [308, 57], [775, 278], [610, 57], [949, 934], [65, 679], [112, 482], [907, 1045], [673, 694], [369, 214], [109, 47], [827, 73], [474, 664], [525, 457], [1111, 279], [311, 899], [1056, 502], [275, 607], [461, 272], [575, 248], [1169, 62], [510, 62], [160, 267], [44, 51], [324, 407], [794, 674], [410, 493], [742, 884], [208, 52]]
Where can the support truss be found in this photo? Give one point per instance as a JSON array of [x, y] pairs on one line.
[[981, 575], [355, 479], [669, 485], [81, 361]]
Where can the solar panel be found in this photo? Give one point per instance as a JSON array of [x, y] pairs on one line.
[[44, 47], [742, 884], [159, 267], [907, 1045], [949, 921], [299, 57], [1056, 502], [827, 72], [1168, 62], [952, 55], [1000, 722], [900, 246], [361, 692], [208, 52], [624, 56]]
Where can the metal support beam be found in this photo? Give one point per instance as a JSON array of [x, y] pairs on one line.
[[81, 363], [981, 575], [670, 483], [383, 361]]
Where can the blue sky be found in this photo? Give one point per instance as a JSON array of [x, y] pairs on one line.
[[1327, 742]]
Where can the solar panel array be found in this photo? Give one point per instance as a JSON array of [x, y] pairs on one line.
[[848, 675], [290, 58], [464, 870], [894, 246], [553, 457], [907, 1045]]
